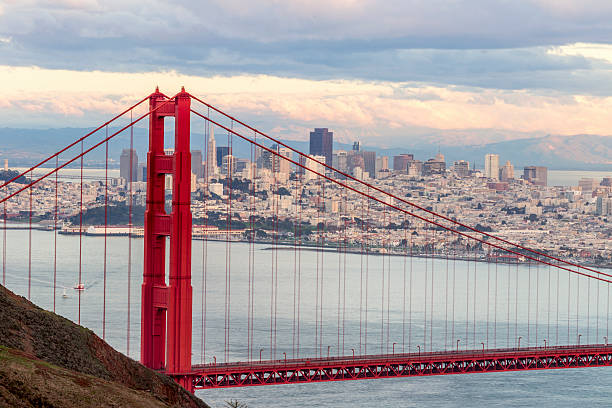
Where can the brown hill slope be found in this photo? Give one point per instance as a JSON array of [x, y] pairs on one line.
[[72, 355]]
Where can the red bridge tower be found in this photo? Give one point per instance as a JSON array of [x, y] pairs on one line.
[[166, 338]]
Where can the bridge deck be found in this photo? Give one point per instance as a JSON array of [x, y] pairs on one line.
[[292, 371]]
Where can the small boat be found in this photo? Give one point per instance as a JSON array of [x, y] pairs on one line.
[[64, 294], [80, 286]]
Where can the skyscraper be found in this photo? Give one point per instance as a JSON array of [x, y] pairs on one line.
[[507, 172], [369, 163], [196, 163], [322, 144], [222, 151], [491, 170], [462, 168], [211, 152], [311, 164], [128, 157], [537, 175], [400, 163]]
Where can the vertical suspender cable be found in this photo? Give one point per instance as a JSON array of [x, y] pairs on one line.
[[404, 227], [426, 258], [367, 274], [105, 235], [55, 235], [549, 307], [557, 308], [295, 261], [204, 240], [230, 174], [410, 295], [382, 295], [324, 231], [569, 286], [431, 299], [80, 236], [299, 272], [537, 303], [488, 297], [30, 248], [516, 291], [446, 288], [4, 248], [474, 299], [588, 317], [467, 294], [508, 306], [495, 307], [454, 286], [344, 270], [130, 204], [361, 276], [250, 269], [577, 304], [597, 283], [339, 250]]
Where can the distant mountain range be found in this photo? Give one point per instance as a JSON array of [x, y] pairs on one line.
[[579, 152]]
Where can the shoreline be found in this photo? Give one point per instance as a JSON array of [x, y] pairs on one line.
[[286, 246]]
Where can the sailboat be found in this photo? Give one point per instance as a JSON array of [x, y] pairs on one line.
[[64, 294]]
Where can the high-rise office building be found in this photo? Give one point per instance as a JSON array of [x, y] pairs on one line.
[[340, 160], [537, 175], [142, 172], [491, 170], [587, 184], [311, 164], [222, 151], [196, 163], [506, 173], [284, 166], [322, 144], [128, 157], [275, 162], [228, 165], [356, 146], [382, 163], [461, 168], [436, 165], [369, 163], [400, 163], [211, 155]]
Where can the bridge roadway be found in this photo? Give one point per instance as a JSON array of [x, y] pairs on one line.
[[292, 371]]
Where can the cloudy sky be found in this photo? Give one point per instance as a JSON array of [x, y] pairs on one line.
[[384, 71]]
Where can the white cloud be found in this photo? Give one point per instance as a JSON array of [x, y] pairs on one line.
[[376, 109], [586, 50]]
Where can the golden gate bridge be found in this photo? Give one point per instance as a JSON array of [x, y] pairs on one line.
[[449, 322]]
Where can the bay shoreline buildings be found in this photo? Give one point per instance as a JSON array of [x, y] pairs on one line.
[[573, 222]]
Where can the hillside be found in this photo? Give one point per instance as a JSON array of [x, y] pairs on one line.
[[46, 360]]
